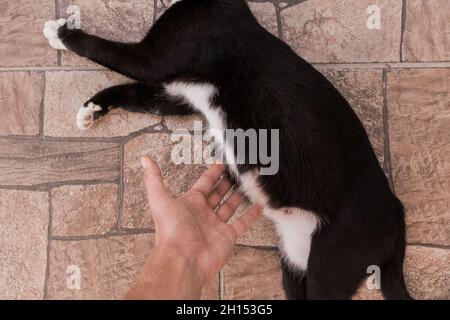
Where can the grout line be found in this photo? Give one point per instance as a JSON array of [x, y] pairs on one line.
[[52, 69], [39, 188], [387, 144], [44, 186], [136, 231], [49, 241], [344, 65], [279, 22], [57, 11], [45, 156], [117, 139], [57, 16], [222, 284], [262, 247], [382, 65], [42, 107], [403, 27], [107, 235], [287, 3], [59, 53], [68, 139], [81, 238], [155, 11], [420, 65], [429, 245], [18, 137], [120, 188]]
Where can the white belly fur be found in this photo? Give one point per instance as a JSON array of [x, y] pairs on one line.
[[294, 228]]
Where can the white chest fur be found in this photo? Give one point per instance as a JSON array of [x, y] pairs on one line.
[[295, 226]]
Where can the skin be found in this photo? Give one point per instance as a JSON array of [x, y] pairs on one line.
[[193, 238]]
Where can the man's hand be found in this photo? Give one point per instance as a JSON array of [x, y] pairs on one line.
[[191, 224], [193, 238]]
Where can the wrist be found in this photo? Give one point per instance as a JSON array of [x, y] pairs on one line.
[[175, 254], [169, 274]]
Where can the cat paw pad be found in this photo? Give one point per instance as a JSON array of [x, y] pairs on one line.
[[51, 28], [85, 116]]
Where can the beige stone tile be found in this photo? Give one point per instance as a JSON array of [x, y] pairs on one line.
[[363, 89], [212, 290], [253, 274], [23, 237], [266, 14], [426, 36], [332, 31], [66, 92], [22, 94], [84, 210], [35, 162], [178, 178], [107, 266], [21, 40], [264, 11], [427, 272], [419, 126], [124, 21]]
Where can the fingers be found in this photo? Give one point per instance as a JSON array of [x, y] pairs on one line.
[[228, 208], [244, 223], [153, 182], [209, 179], [221, 190]]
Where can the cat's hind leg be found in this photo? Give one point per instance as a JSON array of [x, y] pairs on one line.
[[334, 272], [134, 97], [295, 229], [294, 282]]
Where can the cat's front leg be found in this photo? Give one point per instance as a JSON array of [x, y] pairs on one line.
[[51, 28], [134, 97], [129, 59], [151, 61]]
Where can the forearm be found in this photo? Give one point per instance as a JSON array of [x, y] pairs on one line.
[[168, 275]]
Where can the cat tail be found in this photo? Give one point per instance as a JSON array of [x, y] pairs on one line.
[[392, 278]]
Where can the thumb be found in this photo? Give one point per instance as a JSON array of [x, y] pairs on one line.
[[153, 182]]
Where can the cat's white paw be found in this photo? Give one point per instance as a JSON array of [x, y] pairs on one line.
[[85, 116], [51, 28]]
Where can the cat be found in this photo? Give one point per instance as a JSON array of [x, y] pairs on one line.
[[331, 203]]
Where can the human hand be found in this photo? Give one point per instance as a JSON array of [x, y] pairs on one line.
[[195, 225]]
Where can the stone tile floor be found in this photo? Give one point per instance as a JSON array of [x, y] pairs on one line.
[[71, 198]]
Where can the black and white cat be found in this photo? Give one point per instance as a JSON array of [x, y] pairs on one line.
[[330, 200]]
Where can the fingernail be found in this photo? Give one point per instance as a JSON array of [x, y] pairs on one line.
[[144, 162]]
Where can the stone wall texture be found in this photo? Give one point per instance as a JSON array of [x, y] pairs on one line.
[[74, 198]]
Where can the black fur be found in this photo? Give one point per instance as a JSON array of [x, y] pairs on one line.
[[327, 163]]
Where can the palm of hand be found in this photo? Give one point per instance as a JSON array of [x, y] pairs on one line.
[[196, 223]]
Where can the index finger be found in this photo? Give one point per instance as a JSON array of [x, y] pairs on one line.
[[206, 183]]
